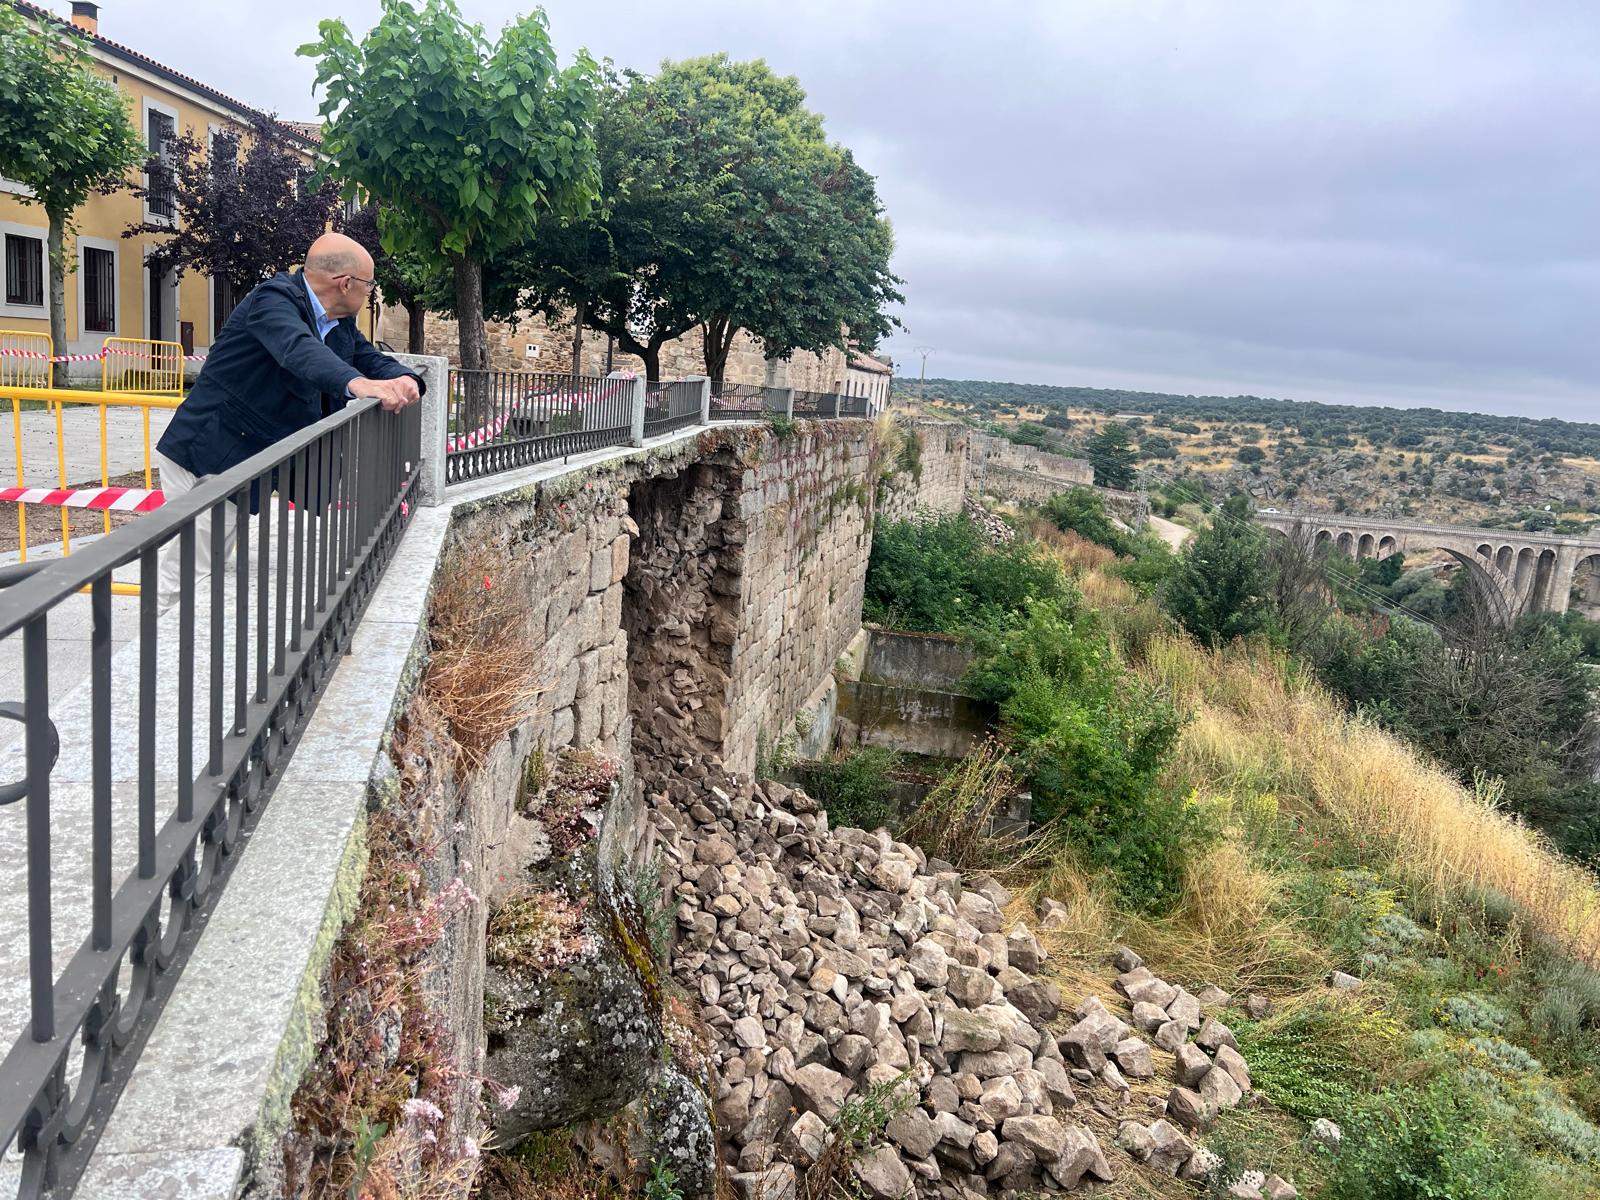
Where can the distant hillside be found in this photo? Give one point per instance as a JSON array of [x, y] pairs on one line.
[[1421, 463], [1377, 424]]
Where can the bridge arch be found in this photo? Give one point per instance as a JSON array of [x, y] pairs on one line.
[[1387, 545], [1504, 559], [1544, 577], [1347, 544], [1586, 584], [1365, 546]]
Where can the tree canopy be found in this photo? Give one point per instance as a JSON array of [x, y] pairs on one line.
[[724, 206], [468, 145], [1112, 457], [64, 132], [246, 209]]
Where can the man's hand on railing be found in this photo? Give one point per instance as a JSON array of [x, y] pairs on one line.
[[392, 394]]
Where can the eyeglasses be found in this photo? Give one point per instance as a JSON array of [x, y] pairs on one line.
[[370, 283]]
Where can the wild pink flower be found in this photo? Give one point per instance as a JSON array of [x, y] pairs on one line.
[[417, 1109]]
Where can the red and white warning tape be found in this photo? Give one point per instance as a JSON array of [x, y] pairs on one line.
[[105, 352], [114, 499], [562, 403]]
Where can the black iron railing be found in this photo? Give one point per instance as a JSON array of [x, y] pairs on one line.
[[169, 751], [747, 402], [669, 406], [502, 420], [816, 404], [853, 406]]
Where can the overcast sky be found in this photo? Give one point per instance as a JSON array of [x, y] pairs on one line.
[[1364, 202]]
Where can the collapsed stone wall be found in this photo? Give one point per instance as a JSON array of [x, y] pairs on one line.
[[931, 478], [680, 610]]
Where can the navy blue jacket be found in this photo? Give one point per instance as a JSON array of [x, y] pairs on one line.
[[267, 376]]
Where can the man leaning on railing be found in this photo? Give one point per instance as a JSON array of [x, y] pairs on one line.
[[289, 355]]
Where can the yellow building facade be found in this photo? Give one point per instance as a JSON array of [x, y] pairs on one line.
[[110, 292]]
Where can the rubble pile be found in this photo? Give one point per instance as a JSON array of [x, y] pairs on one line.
[[839, 966]]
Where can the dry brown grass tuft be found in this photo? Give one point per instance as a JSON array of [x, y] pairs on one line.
[[481, 664], [1260, 722], [953, 823]]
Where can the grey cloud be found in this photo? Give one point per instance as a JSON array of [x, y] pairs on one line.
[[1383, 203]]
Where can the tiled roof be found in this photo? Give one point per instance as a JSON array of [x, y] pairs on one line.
[[862, 361], [117, 50]]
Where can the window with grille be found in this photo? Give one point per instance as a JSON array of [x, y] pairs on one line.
[[99, 290], [161, 129], [24, 270], [223, 301]]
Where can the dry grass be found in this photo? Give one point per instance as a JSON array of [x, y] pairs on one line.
[[1259, 722], [481, 664], [953, 823]]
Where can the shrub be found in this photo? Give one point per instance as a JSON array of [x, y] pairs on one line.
[[1092, 740], [855, 788], [1426, 1143], [1081, 511], [943, 576]]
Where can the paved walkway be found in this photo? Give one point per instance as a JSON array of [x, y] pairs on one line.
[[80, 426]]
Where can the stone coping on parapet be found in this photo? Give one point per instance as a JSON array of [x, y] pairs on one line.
[[210, 1094]]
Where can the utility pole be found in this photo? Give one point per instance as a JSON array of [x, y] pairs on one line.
[[924, 351]]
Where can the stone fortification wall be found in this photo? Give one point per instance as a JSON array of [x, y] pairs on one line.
[[807, 507], [926, 468], [998, 452]]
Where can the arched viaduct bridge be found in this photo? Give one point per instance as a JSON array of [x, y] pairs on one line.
[[1535, 571]]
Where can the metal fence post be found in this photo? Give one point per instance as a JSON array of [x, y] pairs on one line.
[[435, 372], [636, 438], [788, 403], [705, 398]]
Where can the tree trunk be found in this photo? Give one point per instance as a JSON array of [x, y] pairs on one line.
[[473, 344], [577, 343], [416, 328], [58, 294], [652, 362], [717, 336]]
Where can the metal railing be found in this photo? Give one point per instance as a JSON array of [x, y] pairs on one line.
[[25, 358], [141, 365], [852, 406], [60, 495], [816, 404], [502, 420], [747, 402], [163, 775], [673, 405]]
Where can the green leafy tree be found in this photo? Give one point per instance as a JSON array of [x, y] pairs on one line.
[[468, 146], [413, 283], [64, 132], [1221, 586], [724, 206], [1112, 457], [1080, 511]]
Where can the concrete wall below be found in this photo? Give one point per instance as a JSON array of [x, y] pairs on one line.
[[917, 660], [913, 721]]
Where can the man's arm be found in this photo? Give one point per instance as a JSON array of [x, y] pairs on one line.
[[277, 324], [375, 364]]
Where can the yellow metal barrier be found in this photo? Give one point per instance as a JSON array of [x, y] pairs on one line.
[[141, 365], [25, 359], [56, 401]]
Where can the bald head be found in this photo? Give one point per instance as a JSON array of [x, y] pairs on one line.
[[339, 270]]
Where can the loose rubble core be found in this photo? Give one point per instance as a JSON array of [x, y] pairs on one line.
[[827, 962]]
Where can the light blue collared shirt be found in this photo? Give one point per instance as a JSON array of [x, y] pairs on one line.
[[325, 323]]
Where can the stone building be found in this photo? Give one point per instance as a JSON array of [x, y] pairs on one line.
[[535, 344]]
